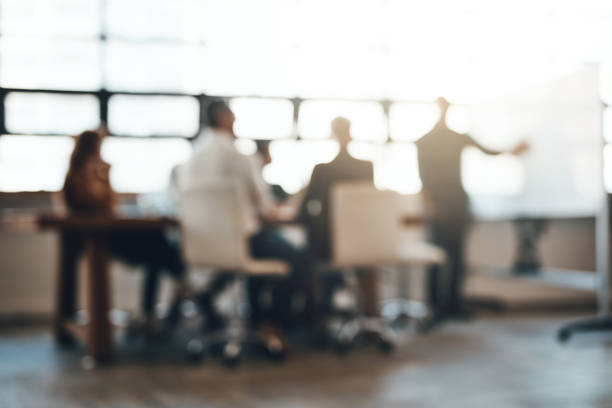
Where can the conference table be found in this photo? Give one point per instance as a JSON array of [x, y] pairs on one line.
[[90, 234]]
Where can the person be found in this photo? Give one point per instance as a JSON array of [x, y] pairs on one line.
[[87, 190], [439, 157], [315, 210], [215, 157]]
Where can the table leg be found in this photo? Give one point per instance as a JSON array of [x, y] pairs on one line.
[[66, 290], [99, 340]]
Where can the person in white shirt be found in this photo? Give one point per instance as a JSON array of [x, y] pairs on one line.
[[216, 157]]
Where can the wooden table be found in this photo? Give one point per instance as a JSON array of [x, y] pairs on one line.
[[91, 234]]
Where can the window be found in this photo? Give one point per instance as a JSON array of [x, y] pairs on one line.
[[41, 113], [293, 161], [367, 119], [143, 165], [263, 118], [46, 64], [153, 115], [33, 163], [410, 121], [56, 18], [153, 20], [156, 67]]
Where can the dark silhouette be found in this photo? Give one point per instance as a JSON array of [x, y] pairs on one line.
[[439, 153], [87, 190]]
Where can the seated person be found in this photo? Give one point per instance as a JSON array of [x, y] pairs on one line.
[[315, 209], [215, 157], [260, 159], [87, 190]]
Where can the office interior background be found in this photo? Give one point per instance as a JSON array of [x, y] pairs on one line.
[[539, 71]]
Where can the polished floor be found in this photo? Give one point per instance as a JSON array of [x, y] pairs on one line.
[[509, 361]]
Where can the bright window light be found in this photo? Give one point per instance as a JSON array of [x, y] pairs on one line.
[[243, 68], [50, 113], [50, 18], [44, 64], [156, 19], [153, 115], [143, 166], [293, 161], [457, 119], [154, 67], [607, 124], [395, 165], [34, 163], [410, 121], [367, 119], [263, 118]]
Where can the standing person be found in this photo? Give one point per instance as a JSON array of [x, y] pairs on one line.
[[439, 153], [87, 190], [215, 158], [315, 209]]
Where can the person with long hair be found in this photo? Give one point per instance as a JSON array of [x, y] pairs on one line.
[[87, 190]]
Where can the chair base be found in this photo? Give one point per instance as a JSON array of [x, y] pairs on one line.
[[400, 313], [593, 325], [232, 342], [347, 335]]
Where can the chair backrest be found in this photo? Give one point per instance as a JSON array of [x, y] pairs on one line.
[[365, 225], [413, 206], [213, 225]]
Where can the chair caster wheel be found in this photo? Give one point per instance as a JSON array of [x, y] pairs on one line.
[[385, 346], [232, 353], [195, 351], [564, 335]]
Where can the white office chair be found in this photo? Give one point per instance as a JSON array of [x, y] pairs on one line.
[[366, 232], [215, 236]]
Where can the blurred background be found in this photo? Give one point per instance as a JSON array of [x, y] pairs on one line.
[[539, 71]]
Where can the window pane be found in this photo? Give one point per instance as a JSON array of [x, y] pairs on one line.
[[263, 118], [50, 113], [153, 115], [32, 163], [156, 19], [410, 121], [42, 64], [154, 67], [143, 165], [367, 119], [71, 18], [395, 165], [457, 119], [249, 69], [293, 161], [343, 72]]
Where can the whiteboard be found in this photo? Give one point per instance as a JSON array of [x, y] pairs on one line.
[[561, 175]]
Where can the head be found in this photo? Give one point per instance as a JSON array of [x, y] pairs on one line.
[[263, 149], [341, 130], [220, 116], [443, 104], [87, 146]]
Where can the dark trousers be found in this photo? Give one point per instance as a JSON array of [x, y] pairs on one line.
[[445, 291], [154, 251], [270, 244]]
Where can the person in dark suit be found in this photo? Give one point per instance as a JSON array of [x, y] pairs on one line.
[[439, 153], [314, 211]]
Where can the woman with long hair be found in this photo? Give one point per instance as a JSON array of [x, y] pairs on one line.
[[87, 190]]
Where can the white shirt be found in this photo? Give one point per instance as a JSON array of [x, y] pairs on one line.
[[215, 157]]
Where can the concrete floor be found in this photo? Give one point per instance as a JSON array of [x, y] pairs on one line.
[[510, 361]]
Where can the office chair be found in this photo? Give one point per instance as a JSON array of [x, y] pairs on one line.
[[366, 225], [415, 252], [215, 237]]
